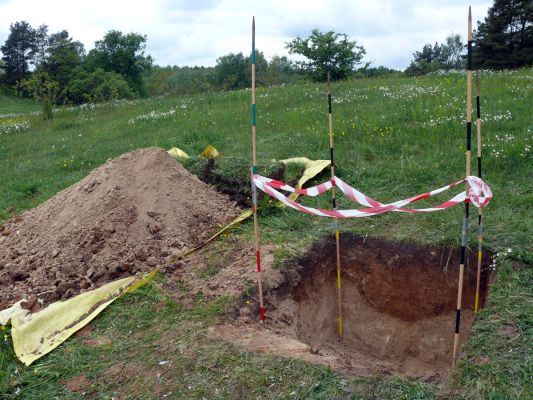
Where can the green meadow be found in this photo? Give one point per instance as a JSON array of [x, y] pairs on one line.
[[394, 137]]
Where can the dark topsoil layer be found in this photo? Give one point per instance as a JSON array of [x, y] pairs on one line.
[[398, 302], [127, 216], [407, 280]]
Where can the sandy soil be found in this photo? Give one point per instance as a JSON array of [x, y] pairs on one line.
[[129, 215], [398, 305]]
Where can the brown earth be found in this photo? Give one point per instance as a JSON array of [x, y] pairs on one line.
[[143, 209], [398, 305], [224, 268], [131, 214], [78, 383]]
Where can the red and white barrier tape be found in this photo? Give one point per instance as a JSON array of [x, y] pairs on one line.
[[479, 195], [312, 191]]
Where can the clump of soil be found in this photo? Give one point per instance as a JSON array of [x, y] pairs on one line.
[[398, 305], [237, 189], [233, 177], [129, 215]]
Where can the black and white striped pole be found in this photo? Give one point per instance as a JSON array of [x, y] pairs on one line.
[[464, 230], [480, 213]]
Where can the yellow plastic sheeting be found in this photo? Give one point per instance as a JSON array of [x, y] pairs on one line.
[[177, 153], [14, 311], [210, 152], [36, 334], [312, 169]]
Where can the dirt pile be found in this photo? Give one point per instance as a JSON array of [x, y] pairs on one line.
[[398, 304], [129, 215]]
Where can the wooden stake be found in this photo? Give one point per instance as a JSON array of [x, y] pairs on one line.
[[464, 232], [333, 201], [479, 210], [254, 189]]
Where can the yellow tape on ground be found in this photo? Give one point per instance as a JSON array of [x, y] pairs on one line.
[[37, 334], [239, 219], [312, 169]]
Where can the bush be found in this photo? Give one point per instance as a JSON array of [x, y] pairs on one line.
[[97, 86]]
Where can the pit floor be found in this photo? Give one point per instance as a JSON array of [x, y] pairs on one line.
[[398, 308]]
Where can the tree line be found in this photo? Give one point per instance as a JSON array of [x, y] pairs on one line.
[[504, 40], [231, 72], [56, 69]]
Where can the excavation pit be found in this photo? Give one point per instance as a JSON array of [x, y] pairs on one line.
[[398, 307]]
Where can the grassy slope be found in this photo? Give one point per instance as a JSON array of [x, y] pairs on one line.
[[394, 137], [13, 104]]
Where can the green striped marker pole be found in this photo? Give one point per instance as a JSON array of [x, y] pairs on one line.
[[464, 232], [479, 210], [254, 189], [334, 205]]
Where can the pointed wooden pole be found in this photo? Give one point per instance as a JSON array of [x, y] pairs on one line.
[[334, 205], [254, 189], [479, 210], [464, 232]]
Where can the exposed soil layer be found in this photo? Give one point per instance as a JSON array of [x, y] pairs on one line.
[[129, 215], [398, 305], [236, 189]]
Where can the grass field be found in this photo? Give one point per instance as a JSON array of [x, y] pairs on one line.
[[394, 137], [14, 105]]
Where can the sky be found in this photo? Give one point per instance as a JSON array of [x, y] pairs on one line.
[[197, 32]]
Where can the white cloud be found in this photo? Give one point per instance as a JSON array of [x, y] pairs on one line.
[[186, 32]]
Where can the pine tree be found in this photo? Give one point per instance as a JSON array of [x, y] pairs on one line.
[[505, 39], [445, 56], [62, 56], [17, 53]]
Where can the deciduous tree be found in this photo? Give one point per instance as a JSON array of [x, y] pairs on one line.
[[327, 52], [97, 86], [233, 70], [43, 88], [123, 54]]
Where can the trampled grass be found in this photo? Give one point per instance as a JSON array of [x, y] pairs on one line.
[[394, 137]]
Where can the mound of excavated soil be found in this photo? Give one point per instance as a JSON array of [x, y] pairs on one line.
[[129, 215]]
